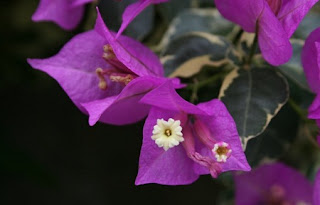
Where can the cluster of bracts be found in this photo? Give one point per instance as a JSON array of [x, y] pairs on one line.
[[116, 80]]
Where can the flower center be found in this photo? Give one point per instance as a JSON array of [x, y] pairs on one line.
[[221, 151], [167, 134]]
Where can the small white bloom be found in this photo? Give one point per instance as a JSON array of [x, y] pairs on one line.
[[221, 151], [167, 134]]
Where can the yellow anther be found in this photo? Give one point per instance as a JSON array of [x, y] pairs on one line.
[[122, 79], [102, 82], [168, 132]]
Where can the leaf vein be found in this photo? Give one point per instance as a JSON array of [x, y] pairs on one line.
[[248, 99]]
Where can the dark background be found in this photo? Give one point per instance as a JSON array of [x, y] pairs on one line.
[[48, 152]]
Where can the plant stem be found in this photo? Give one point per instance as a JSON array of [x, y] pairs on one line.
[[302, 113], [206, 81], [238, 36], [309, 171], [310, 137], [252, 50], [194, 95]]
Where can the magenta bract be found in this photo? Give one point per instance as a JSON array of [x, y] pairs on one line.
[[182, 141], [66, 13], [274, 21], [311, 64], [311, 60], [272, 184], [105, 77]]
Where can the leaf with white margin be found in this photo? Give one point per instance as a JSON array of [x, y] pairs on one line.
[[253, 97], [196, 20], [188, 54]]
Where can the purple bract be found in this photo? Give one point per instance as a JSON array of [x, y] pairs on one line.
[[274, 21], [182, 141], [105, 77], [273, 184], [311, 65], [65, 13]]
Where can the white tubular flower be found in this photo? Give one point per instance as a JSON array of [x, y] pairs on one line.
[[221, 151], [167, 134]]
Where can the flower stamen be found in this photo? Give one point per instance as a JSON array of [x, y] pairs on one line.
[[168, 132], [114, 75], [108, 53], [102, 81], [121, 78]]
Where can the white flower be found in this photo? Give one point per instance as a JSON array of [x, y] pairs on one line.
[[221, 151], [167, 134]]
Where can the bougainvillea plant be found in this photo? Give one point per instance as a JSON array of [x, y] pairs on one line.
[[224, 86]]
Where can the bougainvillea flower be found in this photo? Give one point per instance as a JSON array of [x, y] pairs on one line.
[[274, 20], [311, 64], [182, 141], [273, 184], [316, 190], [105, 77], [65, 13], [134, 10]]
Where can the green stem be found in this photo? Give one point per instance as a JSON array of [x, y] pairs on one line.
[[238, 36], [252, 50], [310, 137], [194, 95], [206, 81], [310, 170], [302, 113]]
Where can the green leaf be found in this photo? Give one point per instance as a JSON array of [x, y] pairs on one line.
[[169, 10], [275, 141], [198, 20], [253, 97], [187, 55]]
